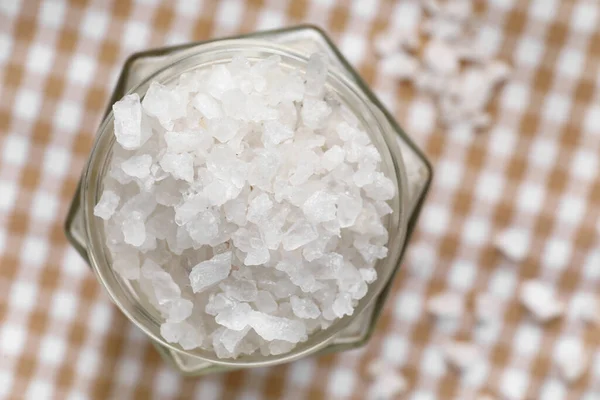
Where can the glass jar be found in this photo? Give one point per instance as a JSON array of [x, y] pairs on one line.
[[402, 162]]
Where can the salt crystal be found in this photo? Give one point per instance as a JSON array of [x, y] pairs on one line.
[[382, 188], [107, 205], [314, 112], [446, 305], [130, 132], [513, 243], [188, 210], [304, 308], [181, 166], [204, 227], [342, 305], [369, 275], [220, 81], [461, 355], [127, 264], [316, 74], [349, 206], [585, 307], [223, 129], [320, 207], [271, 328], [171, 331], [265, 302], [134, 229], [539, 299], [440, 57], [191, 336], [165, 289], [399, 66], [571, 359], [280, 347], [235, 318], [185, 141], [333, 157], [239, 289], [275, 132], [257, 256], [179, 310], [299, 234], [217, 303], [207, 105], [165, 104], [387, 386], [235, 211], [259, 208], [137, 166], [210, 272]]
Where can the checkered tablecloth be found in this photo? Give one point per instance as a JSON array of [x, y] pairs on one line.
[[536, 169]]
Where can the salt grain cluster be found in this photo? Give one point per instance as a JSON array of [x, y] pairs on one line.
[[443, 57], [246, 203]]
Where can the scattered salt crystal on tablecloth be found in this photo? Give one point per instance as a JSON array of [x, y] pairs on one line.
[[540, 300]]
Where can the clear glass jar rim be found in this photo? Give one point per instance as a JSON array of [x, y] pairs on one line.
[[218, 52]]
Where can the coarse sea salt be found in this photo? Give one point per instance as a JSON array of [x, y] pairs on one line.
[[248, 205]]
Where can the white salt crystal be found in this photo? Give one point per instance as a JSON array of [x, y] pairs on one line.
[[236, 318], [165, 289], [400, 66], [188, 210], [181, 166], [185, 141], [539, 299], [461, 355], [171, 332], [446, 305], [165, 104], [220, 81], [440, 57], [106, 206], [207, 105], [314, 112], [257, 256], [239, 289], [304, 307], [572, 360], [275, 132], [316, 74], [342, 305], [134, 229], [223, 129], [369, 275], [265, 302], [235, 211], [299, 234], [130, 132], [277, 328], [179, 310], [191, 336], [259, 208], [127, 264], [210, 272], [320, 207], [217, 303], [280, 347], [585, 307], [333, 157], [349, 206], [382, 187], [513, 243], [137, 166], [204, 227], [387, 386]]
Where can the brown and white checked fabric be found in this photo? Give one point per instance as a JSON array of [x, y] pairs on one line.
[[536, 169]]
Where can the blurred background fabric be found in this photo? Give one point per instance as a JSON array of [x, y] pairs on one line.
[[536, 168]]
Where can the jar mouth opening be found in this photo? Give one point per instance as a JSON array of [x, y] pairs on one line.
[[348, 93]]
